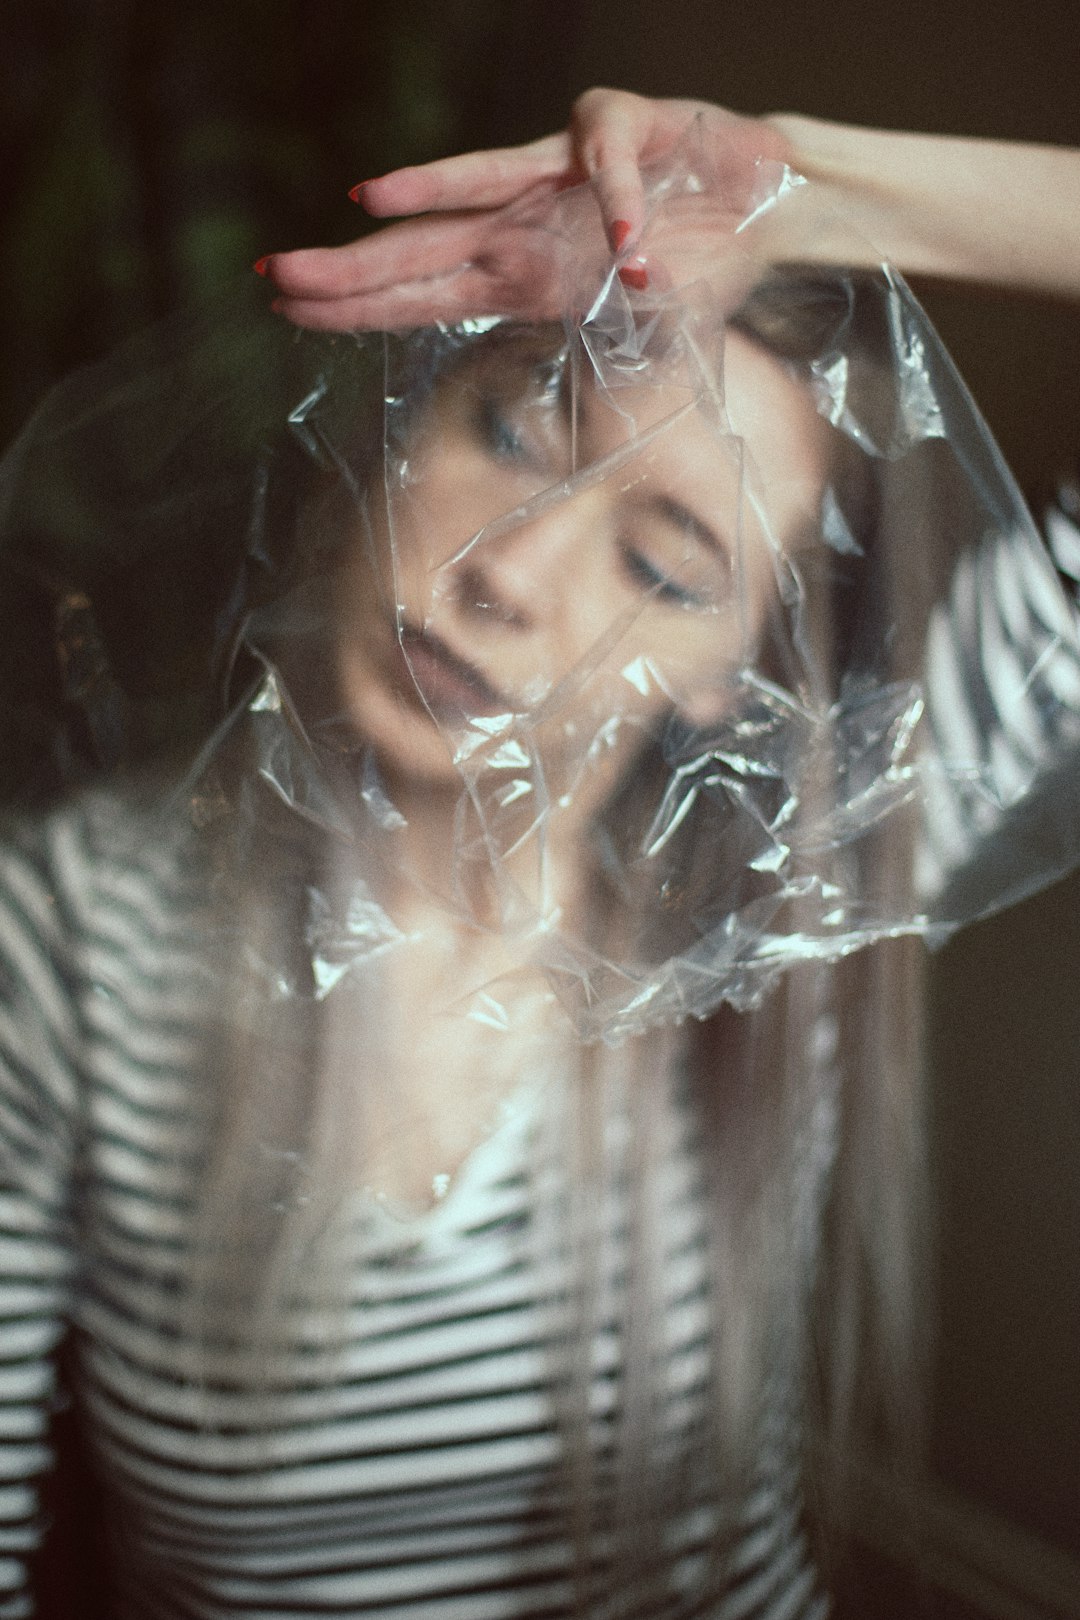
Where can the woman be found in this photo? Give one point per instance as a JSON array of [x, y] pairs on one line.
[[437, 1237]]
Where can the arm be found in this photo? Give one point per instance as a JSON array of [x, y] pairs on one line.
[[978, 211], [37, 1045], [988, 212]]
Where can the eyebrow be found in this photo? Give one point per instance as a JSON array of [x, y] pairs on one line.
[[672, 511]]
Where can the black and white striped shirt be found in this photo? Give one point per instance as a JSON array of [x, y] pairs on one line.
[[414, 1473]]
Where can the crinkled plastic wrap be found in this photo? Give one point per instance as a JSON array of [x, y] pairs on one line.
[[658, 646]]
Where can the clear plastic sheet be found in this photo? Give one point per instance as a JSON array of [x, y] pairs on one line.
[[693, 633]]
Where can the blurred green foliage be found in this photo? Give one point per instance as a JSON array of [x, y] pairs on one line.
[[149, 153]]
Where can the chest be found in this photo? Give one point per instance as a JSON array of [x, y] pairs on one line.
[[410, 1443], [433, 1056]]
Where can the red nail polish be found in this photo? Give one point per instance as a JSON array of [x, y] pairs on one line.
[[620, 230], [356, 193], [632, 275], [260, 265]]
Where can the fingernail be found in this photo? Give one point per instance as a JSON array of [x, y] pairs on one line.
[[260, 265], [620, 230], [356, 193], [634, 275]]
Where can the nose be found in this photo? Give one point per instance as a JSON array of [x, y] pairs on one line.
[[518, 577]]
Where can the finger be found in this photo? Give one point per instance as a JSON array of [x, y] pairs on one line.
[[469, 181], [611, 132], [621, 196], [400, 253], [468, 292], [372, 312]]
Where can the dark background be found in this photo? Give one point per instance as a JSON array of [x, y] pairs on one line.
[[151, 152], [148, 153]]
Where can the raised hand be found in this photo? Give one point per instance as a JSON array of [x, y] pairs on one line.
[[486, 239]]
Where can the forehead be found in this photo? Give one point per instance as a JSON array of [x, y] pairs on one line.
[[755, 435], [743, 451], [753, 406], [774, 415]]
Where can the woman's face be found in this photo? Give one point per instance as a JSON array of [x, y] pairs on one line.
[[494, 596]]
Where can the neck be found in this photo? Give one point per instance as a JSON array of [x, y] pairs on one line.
[[460, 856]]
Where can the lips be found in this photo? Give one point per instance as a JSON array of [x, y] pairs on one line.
[[450, 686]]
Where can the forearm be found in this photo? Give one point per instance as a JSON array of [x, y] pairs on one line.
[[973, 211], [992, 212]]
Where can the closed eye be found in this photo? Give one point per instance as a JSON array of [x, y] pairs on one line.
[[658, 583], [498, 433]]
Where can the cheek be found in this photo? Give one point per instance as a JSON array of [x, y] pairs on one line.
[[419, 536], [699, 660], [639, 683]]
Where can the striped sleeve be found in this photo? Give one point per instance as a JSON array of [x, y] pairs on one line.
[[1003, 702], [38, 1046]]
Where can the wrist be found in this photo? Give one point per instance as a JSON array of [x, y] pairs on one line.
[[867, 200], [992, 212]]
